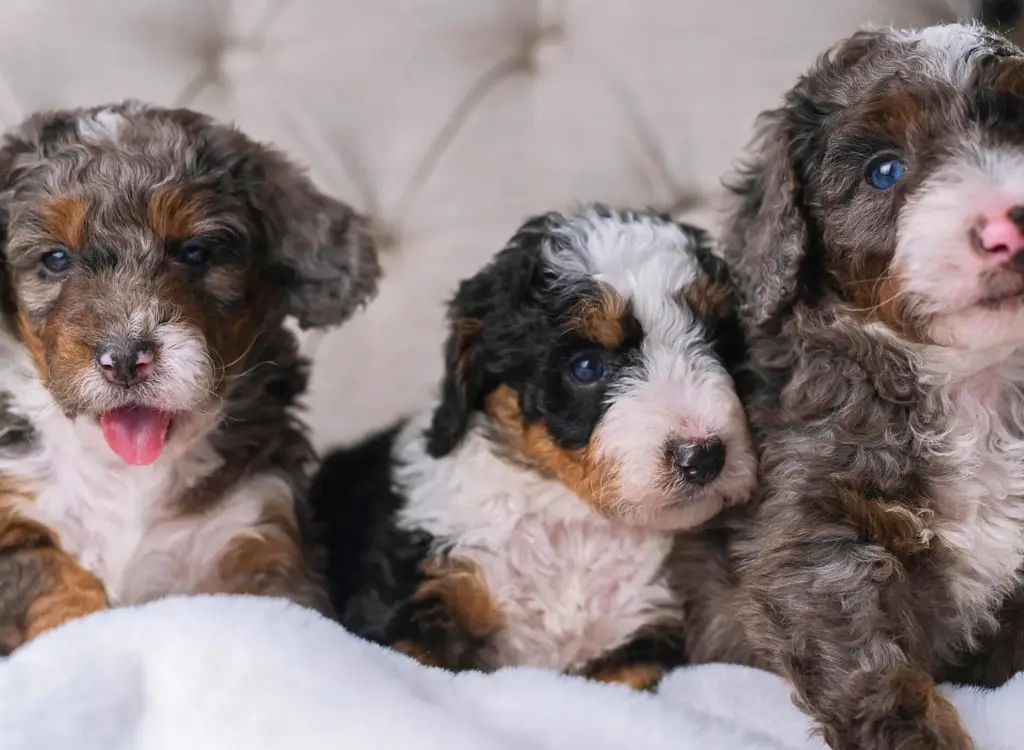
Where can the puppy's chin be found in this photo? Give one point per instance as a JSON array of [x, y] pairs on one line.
[[981, 328], [668, 514]]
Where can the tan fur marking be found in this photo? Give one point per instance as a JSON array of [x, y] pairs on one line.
[[706, 297], [876, 295], [599, 318], [34, 344], [68, 353], [268, 561], [47, 587], [74, 592], [466, 330], [895, 113], [417, 652], [461, 587], [64, 217], [173, 213], [593, 479], [1010, 78], [893, 526], [229, 339], [636, 676]]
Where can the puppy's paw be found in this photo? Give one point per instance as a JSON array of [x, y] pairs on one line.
[[904, 712], [637, 676], [81, 595], [40, 589], [419, 652]]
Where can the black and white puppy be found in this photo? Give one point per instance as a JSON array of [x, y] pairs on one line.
[[587, 411]]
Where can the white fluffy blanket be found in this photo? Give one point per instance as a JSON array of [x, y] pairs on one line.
[[260, 674]]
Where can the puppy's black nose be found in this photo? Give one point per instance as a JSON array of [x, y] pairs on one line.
[[127, 363], [701, 462]]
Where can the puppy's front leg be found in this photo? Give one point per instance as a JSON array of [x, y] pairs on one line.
[[41, 587], [269, 560], [643, 662], [451, 619], [835, 614]]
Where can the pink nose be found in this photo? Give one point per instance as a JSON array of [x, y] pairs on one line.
[[1000, 237]]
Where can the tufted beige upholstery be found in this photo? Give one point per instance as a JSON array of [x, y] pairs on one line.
[[448, 120]]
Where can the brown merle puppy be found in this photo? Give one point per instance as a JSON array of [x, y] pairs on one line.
[[878, 238], [150, 444], [587, 411]]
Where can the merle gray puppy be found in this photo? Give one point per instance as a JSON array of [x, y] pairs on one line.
[[150, 443], [878, 239]]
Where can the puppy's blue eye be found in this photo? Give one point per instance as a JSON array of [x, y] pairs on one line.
[[885, 172], [57, 260], [587, 368]]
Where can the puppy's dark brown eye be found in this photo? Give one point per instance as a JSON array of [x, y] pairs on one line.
[[57, 260], [194, 253]]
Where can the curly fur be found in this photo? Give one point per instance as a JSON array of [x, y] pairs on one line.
[[890, 406], [124, 190]]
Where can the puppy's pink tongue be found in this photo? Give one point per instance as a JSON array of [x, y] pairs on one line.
[[136, 434]]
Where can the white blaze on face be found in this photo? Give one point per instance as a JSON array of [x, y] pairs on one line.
[[679, 391], [136, 424], [934, 259], [689, 399], [184, 375]]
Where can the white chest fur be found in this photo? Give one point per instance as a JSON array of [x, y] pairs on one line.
[[121, 522], [980, 505], [570, 585]]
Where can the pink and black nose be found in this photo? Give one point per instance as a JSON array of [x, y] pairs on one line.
[[999, 238], [126, 363], [699, 462]]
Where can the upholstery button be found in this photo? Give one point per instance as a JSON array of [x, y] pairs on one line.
[[543, 47]]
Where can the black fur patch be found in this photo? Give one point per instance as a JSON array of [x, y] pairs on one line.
[[372, 566]]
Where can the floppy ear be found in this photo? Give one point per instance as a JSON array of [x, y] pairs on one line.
[[321, 253], [766, 236], [322, 248], [487, 315], [461, 384]]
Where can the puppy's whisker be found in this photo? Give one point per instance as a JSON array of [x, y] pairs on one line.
[[244, 354], [877, 284], [244, 373]]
